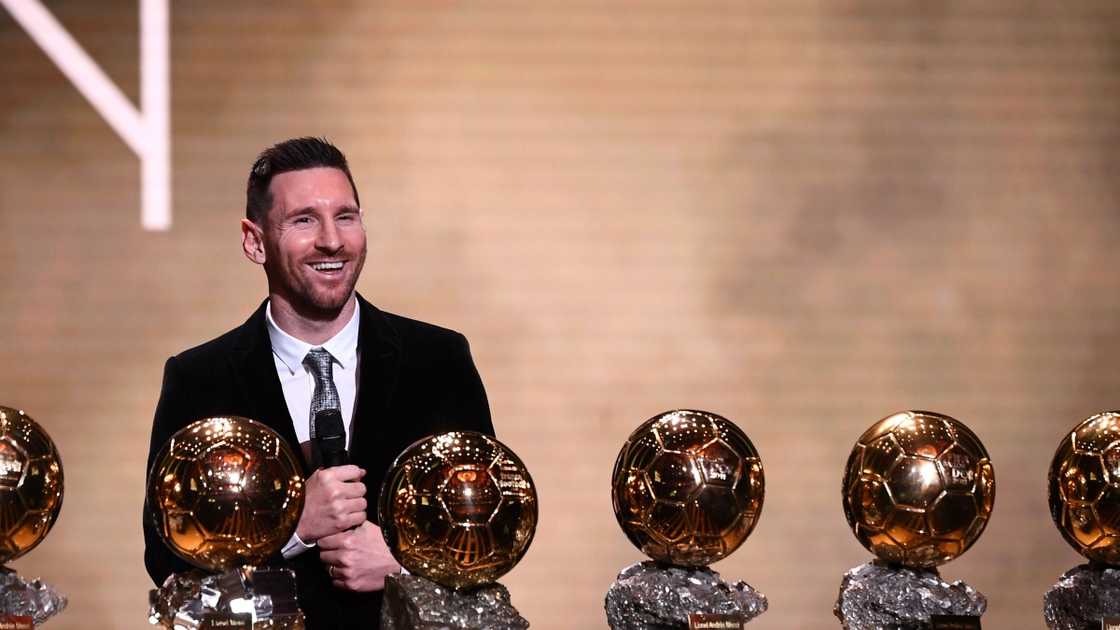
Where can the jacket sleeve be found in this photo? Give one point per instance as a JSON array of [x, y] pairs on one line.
[[172, 414]]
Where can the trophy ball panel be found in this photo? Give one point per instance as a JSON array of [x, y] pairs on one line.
[[719, 465], [1083, 526], [1096, 433], [878, 455], [952, 515], [687, 487], [31, 530], [674, 476], [751, 490], [918, 488], [31, 484], [1108, 509], [458, 508], [872, 504], [914, 481], [225, 492], [714, 511], [685, 431], [39, 480], [1084, 488], [926, 435], [1107, 550]]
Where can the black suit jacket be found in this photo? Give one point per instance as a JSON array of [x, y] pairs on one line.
[[414, 380]]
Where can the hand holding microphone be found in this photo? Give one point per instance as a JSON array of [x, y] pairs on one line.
[[335, 497], [355, 555]]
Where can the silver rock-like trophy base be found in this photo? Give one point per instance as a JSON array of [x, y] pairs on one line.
[[189, 601], [411, 602], [23, 598], [881, 596], [1082, 597], [648, 596]]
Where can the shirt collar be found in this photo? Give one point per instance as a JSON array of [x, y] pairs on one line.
[[343, 346]]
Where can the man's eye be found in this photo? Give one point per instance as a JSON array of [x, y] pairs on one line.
[[301, 220]]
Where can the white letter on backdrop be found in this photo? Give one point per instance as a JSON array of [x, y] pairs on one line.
[[147, 133]]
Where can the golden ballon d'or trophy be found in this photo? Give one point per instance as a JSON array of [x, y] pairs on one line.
[[458, 510], [918, 491], [30, 499], [1084, 494], [687, 490], [225, 494]]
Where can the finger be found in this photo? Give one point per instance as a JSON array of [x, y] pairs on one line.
[[339, 508], [349, 472], [352, 519], [342, 521], [348, 506], [351, 489], [331, 557], [331, 543]]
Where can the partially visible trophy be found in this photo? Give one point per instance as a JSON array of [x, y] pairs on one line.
[[918, 491], [225, 493], [687, 490], [458, 511], [30, 499], [1084, 493]]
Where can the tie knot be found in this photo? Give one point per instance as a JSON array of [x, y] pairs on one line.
[[319, 361]]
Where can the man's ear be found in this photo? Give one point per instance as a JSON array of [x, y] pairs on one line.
[[252, 241]]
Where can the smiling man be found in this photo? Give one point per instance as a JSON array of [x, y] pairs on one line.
[[313, 345]]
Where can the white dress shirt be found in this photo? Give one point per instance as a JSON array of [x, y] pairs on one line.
[[299, 384]]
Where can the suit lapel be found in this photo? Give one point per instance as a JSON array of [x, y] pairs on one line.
[[255, 368], [379, 366]]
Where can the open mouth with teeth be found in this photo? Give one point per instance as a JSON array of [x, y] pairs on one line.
[[327, 267]]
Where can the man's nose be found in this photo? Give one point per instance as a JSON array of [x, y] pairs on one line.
[[329, 239]]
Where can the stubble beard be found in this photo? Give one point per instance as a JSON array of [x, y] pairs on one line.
[[315, 303]]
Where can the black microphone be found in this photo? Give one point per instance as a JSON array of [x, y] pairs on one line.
[[330, 438]]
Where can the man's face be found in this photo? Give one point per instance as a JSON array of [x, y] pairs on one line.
[[314, 240]]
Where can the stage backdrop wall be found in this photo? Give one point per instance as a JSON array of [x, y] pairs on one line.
[[800, 215]]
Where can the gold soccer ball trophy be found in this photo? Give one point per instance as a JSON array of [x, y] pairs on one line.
[[459, 510], [918, 491], [1084, 488], [687, 490], [30, 500], [1084, 494], [225, 493]]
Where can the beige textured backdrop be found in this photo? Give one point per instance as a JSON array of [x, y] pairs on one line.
[[801, 215]]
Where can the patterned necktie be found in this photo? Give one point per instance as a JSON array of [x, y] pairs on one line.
[[319, 362]]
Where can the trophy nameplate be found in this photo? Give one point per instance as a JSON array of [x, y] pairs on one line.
[[1110, 623], [712, 621], [227, 621], [16, 622], [954, 622]]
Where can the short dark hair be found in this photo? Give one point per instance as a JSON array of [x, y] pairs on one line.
[[296, 154]]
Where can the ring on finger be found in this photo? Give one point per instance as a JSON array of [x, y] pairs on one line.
[[330, 571]]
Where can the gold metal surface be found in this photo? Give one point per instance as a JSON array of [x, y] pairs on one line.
[[1084, 488], [687, 487], [225, 492], [918, 488], [459, 509], [30, 484]]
